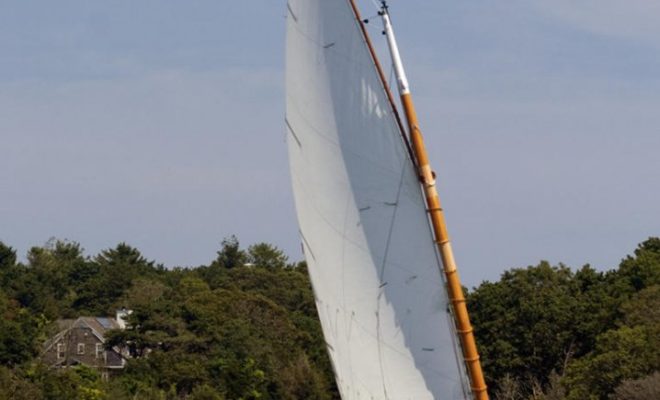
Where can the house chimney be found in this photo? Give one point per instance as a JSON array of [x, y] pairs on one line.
[[122, 315]]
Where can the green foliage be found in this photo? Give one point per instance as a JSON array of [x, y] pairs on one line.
[[20, 332], [36, 382], [266, 255], [48, 283], [525, 322], [231, 255], [245, 327], [643, 269], [643, 308], [572, 335], [205, 392], [644, 388], [625, 353], [244, 332], [115, 271], [15, 386], [10, 272], [7, 257]]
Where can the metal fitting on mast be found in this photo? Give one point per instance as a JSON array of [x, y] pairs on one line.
[[383, 6], [402, 80]]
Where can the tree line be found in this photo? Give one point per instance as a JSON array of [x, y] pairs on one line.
[[245, 327], [550, 333]]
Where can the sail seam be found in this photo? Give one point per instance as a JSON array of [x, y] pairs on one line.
[[327, 138]]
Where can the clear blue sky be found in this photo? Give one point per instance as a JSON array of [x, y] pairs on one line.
[[160, 123]]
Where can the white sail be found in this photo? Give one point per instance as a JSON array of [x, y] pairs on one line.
[[377, 281]]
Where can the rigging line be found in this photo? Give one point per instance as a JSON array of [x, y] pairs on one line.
[[391, 229], [381, 75], [382, 276], [392, 78], [457, 356]]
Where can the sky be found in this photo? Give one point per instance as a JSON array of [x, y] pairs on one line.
[[160, 124]]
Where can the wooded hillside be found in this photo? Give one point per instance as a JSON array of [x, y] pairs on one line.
[[245, 327]]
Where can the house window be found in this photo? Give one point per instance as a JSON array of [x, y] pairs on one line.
[[60, 351], [81, 348], [99, 350]]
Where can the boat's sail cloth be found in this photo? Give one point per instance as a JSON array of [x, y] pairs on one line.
[[362, 218]]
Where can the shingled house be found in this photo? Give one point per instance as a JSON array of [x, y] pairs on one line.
[[82, 341]]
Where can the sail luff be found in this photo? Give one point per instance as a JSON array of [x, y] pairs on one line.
[[436, 214]]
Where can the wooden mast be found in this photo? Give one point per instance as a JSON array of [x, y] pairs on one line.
[[436, 215]]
